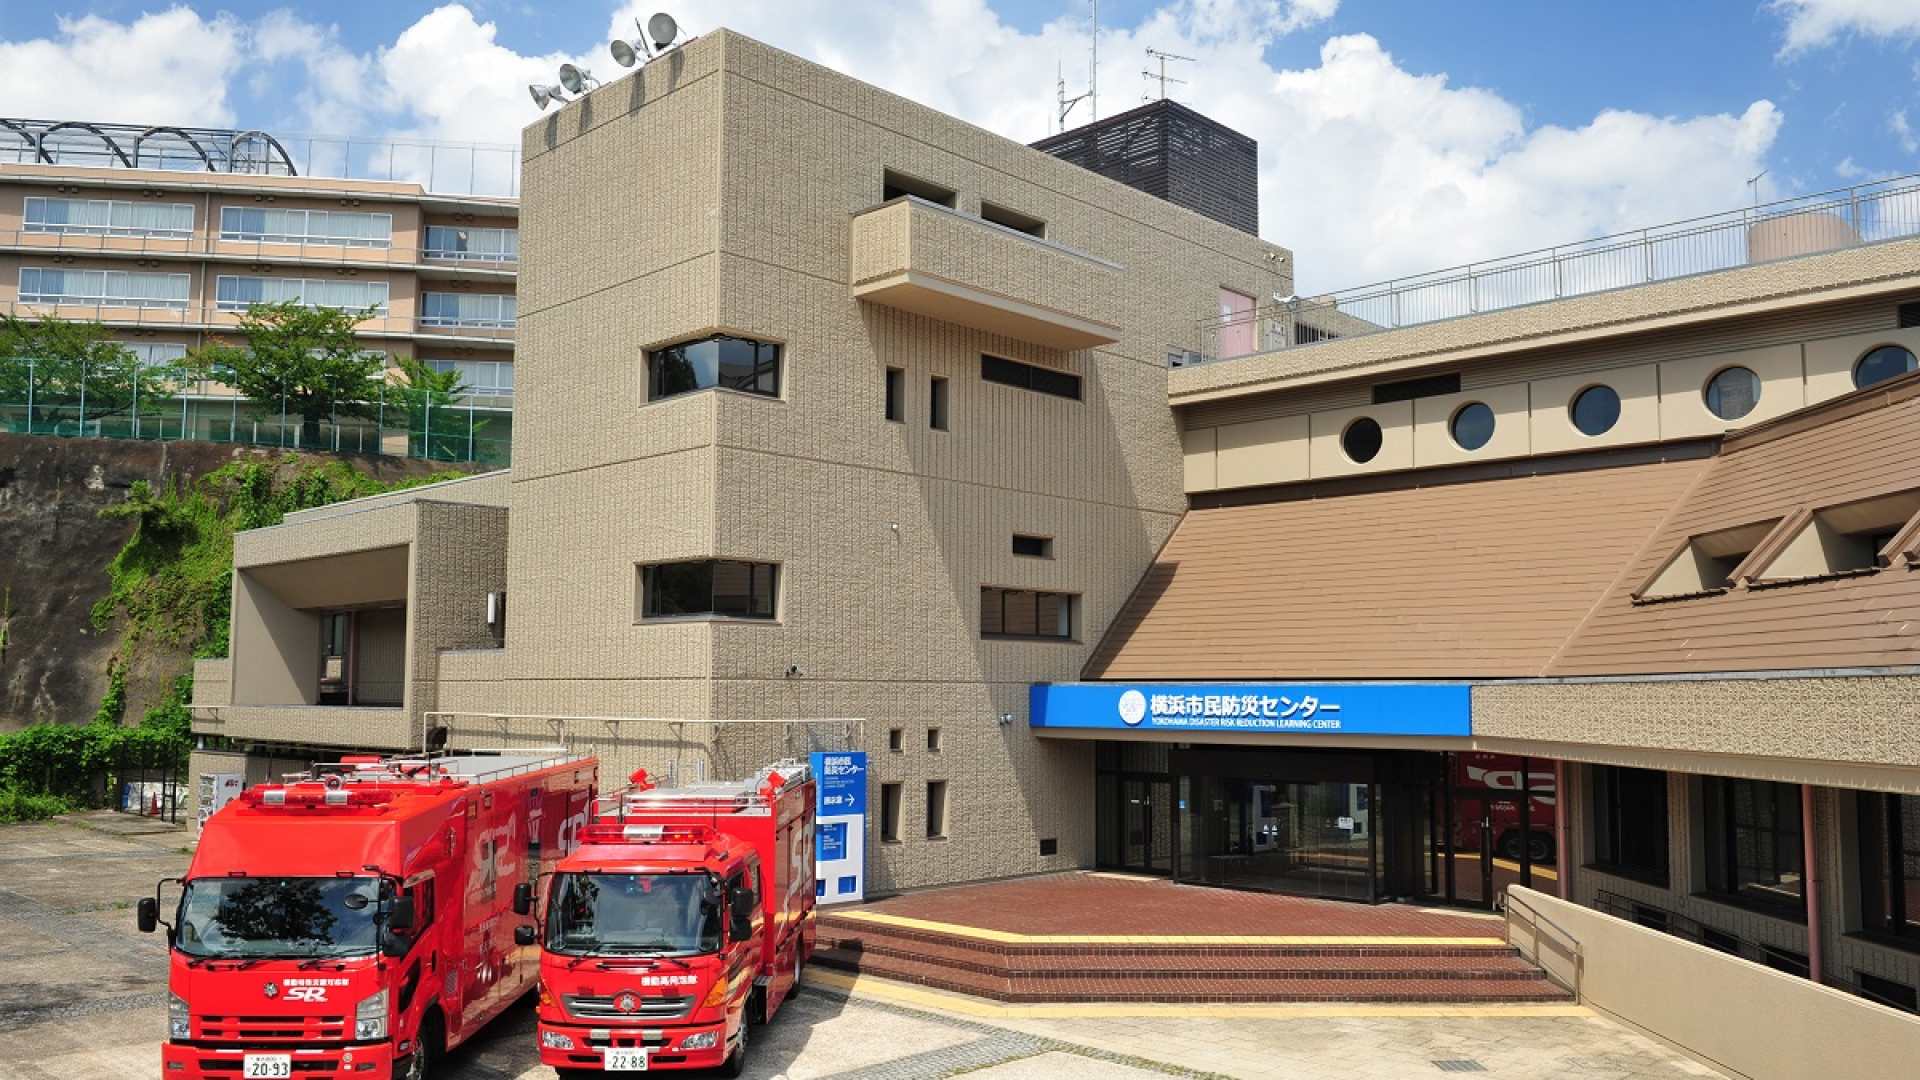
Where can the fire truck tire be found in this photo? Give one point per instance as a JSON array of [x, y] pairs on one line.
[[736, 1063], [1540, 847], [426, 1049]]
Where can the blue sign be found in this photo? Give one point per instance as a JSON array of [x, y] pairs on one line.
[[843, 783], [840, 826], [832, 839], [1269, 708]]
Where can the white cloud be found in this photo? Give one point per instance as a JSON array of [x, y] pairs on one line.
[[1814, 23], [1903, 131], [167, 68]]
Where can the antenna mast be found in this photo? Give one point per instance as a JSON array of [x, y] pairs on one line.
[[1092, 96], [1163, 57]]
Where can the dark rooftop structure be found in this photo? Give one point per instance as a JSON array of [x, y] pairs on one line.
[[1167, 149]]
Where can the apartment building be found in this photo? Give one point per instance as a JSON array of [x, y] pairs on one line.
[[166, 235]]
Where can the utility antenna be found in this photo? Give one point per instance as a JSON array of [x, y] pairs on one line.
[[1067, 103], [1092, 96], [1163, 57], [1753, 182]]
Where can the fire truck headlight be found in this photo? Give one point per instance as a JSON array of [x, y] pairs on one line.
[[553, 1040], [705, 1040], [178, 1024], [370, 1017]]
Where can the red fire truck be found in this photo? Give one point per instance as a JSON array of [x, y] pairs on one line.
[[1497, 779], [684, 914], [356, 920]]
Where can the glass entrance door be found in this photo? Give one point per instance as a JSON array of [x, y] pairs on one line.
[[1146, 826], [1464, 848]]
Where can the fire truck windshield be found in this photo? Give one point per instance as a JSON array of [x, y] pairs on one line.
[[605, 914], [281, 917]]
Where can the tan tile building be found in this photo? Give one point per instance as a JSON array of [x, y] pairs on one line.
[[847, 424]]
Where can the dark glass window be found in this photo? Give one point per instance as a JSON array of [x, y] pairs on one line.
[[1890, 864], [937, 403], [1595, 410], [890, 812], [1409, 389], [1630, 830], [1025, 613], [1882, 364], [723, 361], [1041, 380], [742, 590], [1362, 440], [896, 394], [1732, 393], [1754, 852], [1035, 547], [1472, 426]]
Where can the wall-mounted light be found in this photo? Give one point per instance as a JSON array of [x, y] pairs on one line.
[[661, 28], [545, 95], [576, 78]]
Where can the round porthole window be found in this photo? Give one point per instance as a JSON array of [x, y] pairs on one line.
[[1472, 426], [1882, 364], [1361, 440], [1595, 410], [1732, 393]]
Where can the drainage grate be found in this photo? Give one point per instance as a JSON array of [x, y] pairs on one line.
[[1461, 1065]]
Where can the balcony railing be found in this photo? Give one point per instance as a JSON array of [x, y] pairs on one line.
[[162, 403], [1828, 221], [172, 245]]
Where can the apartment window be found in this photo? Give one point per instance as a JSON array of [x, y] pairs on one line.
[[1013, 219], [1033, 547], [936, 809], [1844, 539], [740, 590], [1753, 843], [155, 354], [483, 311], [894, 185], [1706, 563], [1890, 864], [238, 293], [1041, 380], [1471, 426], [1630, 826], [1595, 410], [896, 394], [341, 228], [718, 362], [1881, 364], [1732, 393], [465, 244], [104, 288], [890, 813], [1026, 613], [108, 217], [933, 739], [482, 378], [937, 404], [1362, 439]]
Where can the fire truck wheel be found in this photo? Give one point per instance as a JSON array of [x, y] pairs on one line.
[[1510, 845], [1540, 847], [426, 1049], [736, 1063]]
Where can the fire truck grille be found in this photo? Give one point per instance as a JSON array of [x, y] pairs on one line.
[[591, 1007], [274, 1028]]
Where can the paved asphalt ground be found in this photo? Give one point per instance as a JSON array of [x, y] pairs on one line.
[[83, 997]]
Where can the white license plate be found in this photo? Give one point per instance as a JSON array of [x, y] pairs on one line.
[[267, 1066], [626, 1059]]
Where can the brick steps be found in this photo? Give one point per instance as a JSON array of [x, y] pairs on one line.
[[1025, 972]]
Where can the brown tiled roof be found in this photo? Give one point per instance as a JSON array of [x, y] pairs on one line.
[[1488, 579]]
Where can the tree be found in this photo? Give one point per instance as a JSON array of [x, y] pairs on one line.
[[434, 431], [307, 357], [70, 371]]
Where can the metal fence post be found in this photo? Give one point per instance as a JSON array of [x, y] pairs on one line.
[[30, 385]]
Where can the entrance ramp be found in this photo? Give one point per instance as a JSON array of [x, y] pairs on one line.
[[1081, 937]]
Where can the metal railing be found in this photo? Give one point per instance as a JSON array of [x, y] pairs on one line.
[[139, 401], [1516, 907], [1828, 221], [171, 247]]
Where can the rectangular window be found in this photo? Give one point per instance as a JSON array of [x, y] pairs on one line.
[[482, 378], [896, 394], [937, 404], [1890, 864], [483, 311], [108, 217], [936, 809], [740, 590], [465, 244], [1026, 613], [1410, 389], [237, 293], [1013, 219], [104, 288], [1041, 380], [1630, 826], [339, 228], [1754, 853], [890, 813], [894, 740], [1033, 547], [719, 362], [155, 354], [933, 738], [895, 185]]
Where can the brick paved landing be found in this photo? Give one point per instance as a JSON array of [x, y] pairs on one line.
[[1093, 937]]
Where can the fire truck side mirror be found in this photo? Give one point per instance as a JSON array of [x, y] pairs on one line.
[[400, 915], [524, 935], [146, 914], [741, 903], [522, 901]]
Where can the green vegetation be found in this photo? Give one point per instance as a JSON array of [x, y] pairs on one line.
[[59, 372], [170, 593], [308, 357]]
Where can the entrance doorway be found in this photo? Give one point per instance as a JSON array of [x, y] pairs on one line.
[[1146, 826], [1490, 824]]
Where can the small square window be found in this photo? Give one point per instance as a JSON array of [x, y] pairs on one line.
[[890, 813], [1013, 219], [895, 185], [1033, 547], [933, 738], [936, 809], [937, 404], [893, 739], [896, 394]]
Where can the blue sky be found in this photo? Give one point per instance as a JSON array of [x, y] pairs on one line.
[[1396, 136]]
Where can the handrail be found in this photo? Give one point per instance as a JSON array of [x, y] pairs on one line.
[[1536, 919]]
